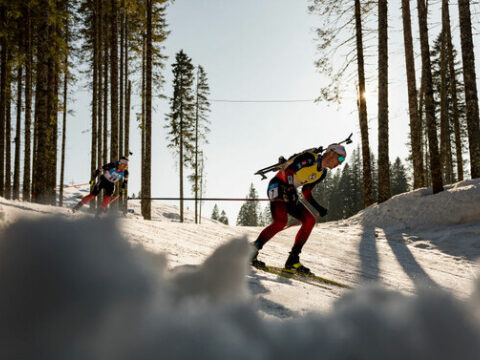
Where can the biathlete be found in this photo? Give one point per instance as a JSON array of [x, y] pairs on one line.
[[112, 172], [306, 169]]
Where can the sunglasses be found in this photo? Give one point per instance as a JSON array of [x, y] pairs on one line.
[[341, 159]]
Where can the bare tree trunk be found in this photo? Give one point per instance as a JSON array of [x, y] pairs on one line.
[[128, 88], [114, 83], [64, 120], [148, 108], [435, 166], [52, 117], [415, 122], [383, 158], [444, 128], [142, 127], [3, 103], [362, 111], [469, 77], [95, 119], [8, 137], [453, 92], [35, 141], [18, 134], [196, 154], [201, 191], [127, 94], [105, 86], [127, 132], [100, 114], [28, 109], [122, 90], [180, 133], [41, 191]]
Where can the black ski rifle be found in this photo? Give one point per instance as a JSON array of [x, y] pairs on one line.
[[283, 163]]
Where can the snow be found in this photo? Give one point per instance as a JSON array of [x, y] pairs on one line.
[[72, 286]]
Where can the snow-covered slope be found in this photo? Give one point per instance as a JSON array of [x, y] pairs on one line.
[[192, 291], [419, 209]]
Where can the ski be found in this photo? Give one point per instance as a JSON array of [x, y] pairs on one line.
[[310, 279]]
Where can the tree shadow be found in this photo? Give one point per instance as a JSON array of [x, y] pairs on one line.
[[407, 261], [461, 240], [370, 270]]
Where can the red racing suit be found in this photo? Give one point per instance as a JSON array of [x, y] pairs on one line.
[[304, 171]]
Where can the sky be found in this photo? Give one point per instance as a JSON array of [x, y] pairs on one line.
[[251, 50]]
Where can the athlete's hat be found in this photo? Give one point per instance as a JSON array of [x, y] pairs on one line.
[[337, 148]]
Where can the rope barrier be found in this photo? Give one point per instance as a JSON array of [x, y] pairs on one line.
[[56, 188], [199, 199]]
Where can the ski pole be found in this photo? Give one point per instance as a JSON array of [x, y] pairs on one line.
[[56, 188], [299, 222], [114, 199]]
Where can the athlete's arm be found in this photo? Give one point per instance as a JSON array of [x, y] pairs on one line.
[[308, 195], [103, 168]]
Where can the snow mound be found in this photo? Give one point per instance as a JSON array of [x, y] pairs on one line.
[[72, 290], [459, 203]]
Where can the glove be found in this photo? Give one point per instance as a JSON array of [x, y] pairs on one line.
[[322, 211], [92, 182]]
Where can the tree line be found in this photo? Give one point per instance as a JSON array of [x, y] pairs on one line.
[[120, 43], [443, 109]]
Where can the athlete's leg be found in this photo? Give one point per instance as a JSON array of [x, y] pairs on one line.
[[89, 197], [280, 218], [109, 187], [300, 212], [106, 201]]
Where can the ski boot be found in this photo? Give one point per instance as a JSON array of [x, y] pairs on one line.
[[254, 261], [293, 263], [77, 207]]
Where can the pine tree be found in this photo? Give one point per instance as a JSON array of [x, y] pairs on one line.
[[215, 215], [223, 218], [471, 94], [28, 104], [415, 122], [202, 107], [335, 199], [181, 130], [249, 211], [435, 166], [266, 216], [399, 178], [454, 124], [362, 110], [383, 161]]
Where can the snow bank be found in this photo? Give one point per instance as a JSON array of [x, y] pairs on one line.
[[419, 209], [78, 290]]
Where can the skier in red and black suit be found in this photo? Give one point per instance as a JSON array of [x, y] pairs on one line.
[[306, 169], [112, 172]]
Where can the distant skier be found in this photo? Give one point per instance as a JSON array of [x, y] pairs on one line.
[[305, 169], [112, 172]]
